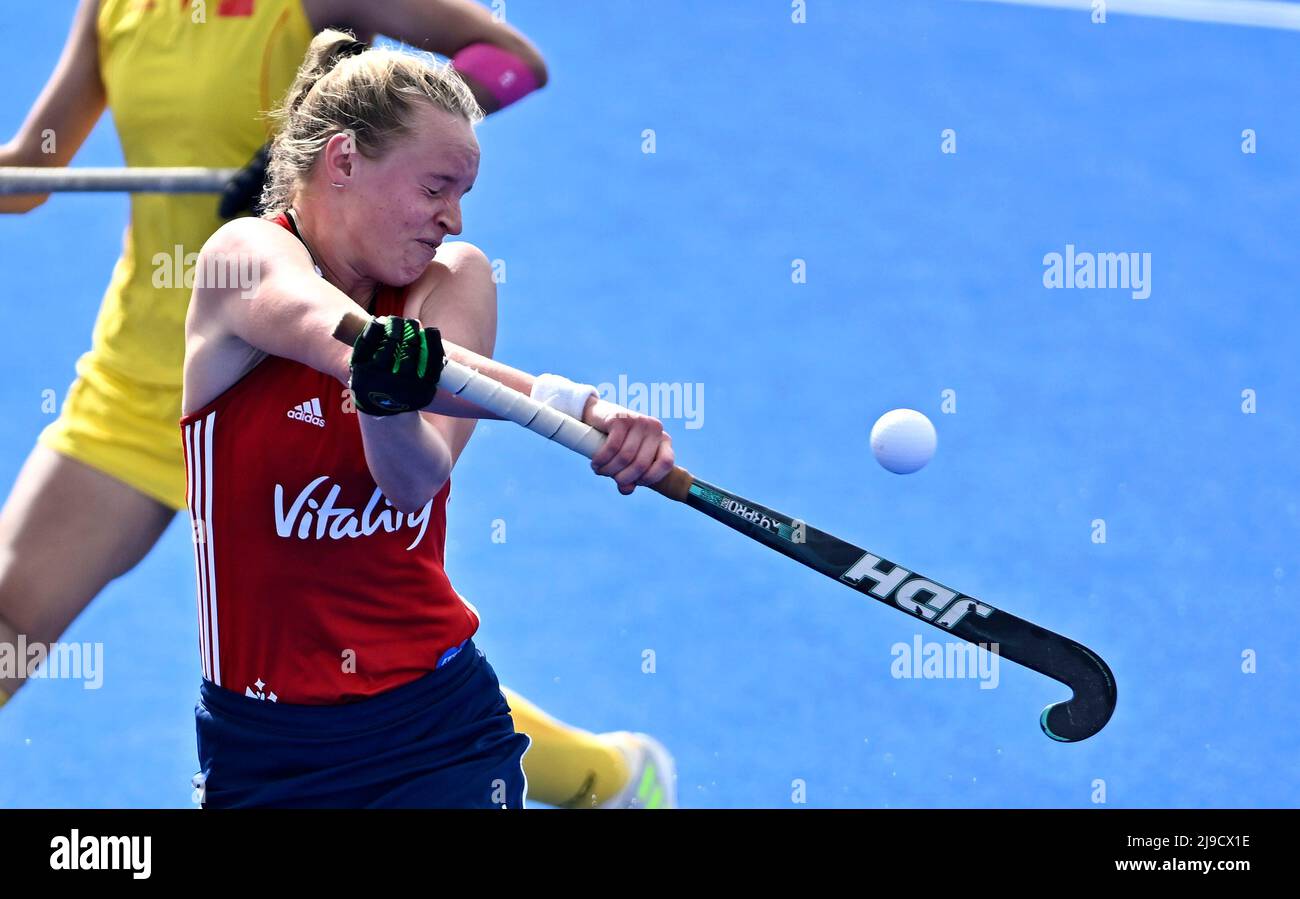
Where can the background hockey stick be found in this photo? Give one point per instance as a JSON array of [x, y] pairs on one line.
[[132, 180]]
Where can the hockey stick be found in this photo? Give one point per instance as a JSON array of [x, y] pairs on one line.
[[1023, 642], [137, 180]]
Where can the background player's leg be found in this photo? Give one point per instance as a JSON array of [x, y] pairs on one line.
[[66, 530], [567, 766]]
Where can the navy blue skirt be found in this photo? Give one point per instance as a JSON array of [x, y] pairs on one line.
[[445, 740]]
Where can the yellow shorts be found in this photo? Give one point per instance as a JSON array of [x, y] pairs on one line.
[[126, 429]]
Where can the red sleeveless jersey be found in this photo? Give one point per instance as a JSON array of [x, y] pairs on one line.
[[312, 588]]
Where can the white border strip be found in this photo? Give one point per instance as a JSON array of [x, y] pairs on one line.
[[196, 536], [210, 545], [1252, 13]]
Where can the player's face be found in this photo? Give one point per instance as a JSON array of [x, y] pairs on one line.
[[413, 194]]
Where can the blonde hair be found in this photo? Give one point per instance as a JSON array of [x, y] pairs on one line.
[[344, 86]]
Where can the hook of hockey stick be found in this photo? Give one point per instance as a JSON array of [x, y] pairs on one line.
[[1092, 704]]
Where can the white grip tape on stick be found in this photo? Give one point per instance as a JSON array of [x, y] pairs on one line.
[[512, 405]]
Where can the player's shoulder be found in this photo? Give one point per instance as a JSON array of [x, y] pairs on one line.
[[253, 239], [464, 259], [459, 273], [459, 294], [247, 229]]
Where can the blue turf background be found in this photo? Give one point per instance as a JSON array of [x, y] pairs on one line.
[[821, 142]]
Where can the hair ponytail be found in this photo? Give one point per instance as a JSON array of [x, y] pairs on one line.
[[327, 50], [344, 85]]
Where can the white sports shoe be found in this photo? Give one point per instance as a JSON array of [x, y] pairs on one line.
[[652, 773]]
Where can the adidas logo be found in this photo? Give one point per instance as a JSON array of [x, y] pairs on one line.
[[309, 412]]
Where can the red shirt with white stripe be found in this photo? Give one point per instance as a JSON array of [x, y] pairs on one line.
[[312, 588]]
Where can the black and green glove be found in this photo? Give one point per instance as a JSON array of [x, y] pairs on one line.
[[395, 366]]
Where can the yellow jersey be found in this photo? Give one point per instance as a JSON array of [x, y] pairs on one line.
[[188, 83]]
